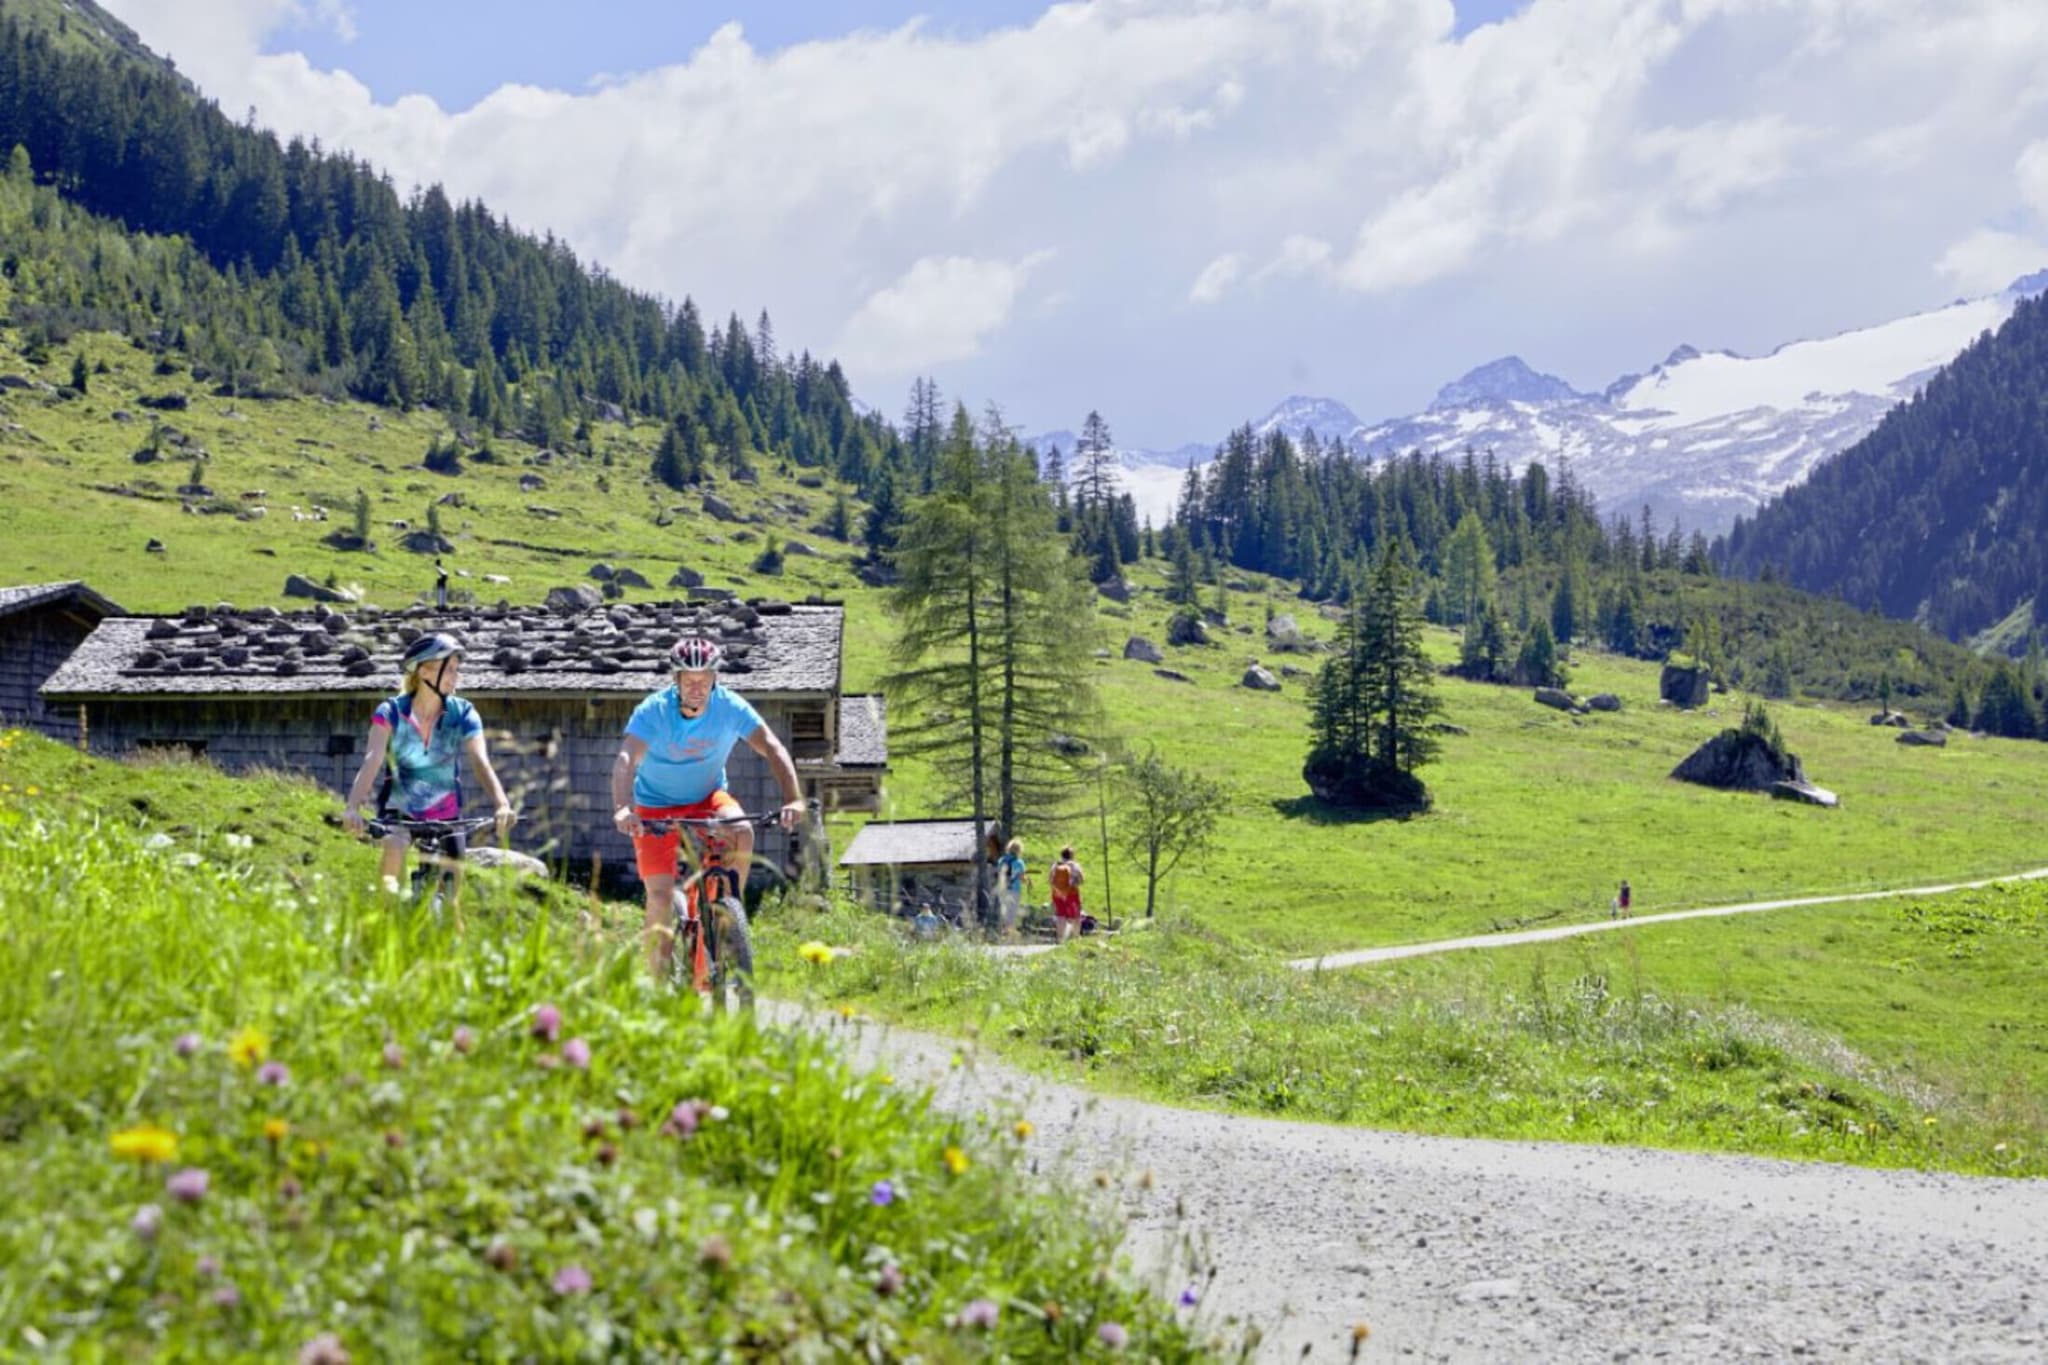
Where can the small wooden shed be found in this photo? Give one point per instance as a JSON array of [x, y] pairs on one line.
[[896, 865], [41, 624]]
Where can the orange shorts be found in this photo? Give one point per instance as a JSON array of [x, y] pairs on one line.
[[655, 854]]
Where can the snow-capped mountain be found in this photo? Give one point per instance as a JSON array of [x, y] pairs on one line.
[[1705, 436]]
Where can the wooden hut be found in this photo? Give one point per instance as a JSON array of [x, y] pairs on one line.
[[41, 624], [294, 691]]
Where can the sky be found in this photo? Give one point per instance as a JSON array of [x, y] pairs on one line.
[[1180, 212]]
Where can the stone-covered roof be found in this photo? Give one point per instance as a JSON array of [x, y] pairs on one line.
[[910, 843], [70, 593], [771, 647], [864, 731]]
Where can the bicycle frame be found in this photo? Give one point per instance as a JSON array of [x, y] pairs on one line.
[[709, 871], [426, 837]]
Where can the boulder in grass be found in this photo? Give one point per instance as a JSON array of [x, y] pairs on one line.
[[1115, 589], [1805, 792], [569, 600], [1259, 679], [715, 506], [1186, 628], [799, 548], [1604, 701], [520, 864], [630, 578], [298, 585], [686, 578], [1932, 739], [1143, 650], [1558, 698], [1682, 686], [1172, 675], [1283, 633], [602, 572], [1737, 761], [1895, 719]]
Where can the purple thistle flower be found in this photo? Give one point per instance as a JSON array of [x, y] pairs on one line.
[[576, 1053], [980, 1314], [394, 1056], [547, 1023], [464, 1039], [187, 1186], [227, 1296], [208, 1266], [1113, 1335], [572, 1279], [682, 1121], [186, 1044], [147, 1221], [273, 1073], [890, 1281], [883, 1194]]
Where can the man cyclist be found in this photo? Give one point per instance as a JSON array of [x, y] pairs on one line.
[[417, 740], [671, 766]]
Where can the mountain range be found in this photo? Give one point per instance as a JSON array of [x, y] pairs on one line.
[[1703, 436]]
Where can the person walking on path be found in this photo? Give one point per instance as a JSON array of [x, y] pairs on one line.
[[1618, 907], [1066, 896], [1010, 876], [440, 586]]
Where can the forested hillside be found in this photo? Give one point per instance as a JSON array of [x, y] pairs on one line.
[[288, 267], [1941, 514]]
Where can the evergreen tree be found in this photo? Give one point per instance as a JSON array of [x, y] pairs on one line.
[[1183, 585], [81, 377], [1564, 607], [1094, 463], [2007, 707], [1538, 664], [839, 525], [1468, 570], [1374, 700], [362, 521], [1483, 654]]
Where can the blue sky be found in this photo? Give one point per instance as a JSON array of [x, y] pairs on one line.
[[1182, 212], [404, 47]]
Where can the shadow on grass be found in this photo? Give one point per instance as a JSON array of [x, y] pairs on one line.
[[1317, 811]]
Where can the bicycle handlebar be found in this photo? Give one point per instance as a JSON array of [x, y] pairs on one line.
[[380, 825], [667, 823]]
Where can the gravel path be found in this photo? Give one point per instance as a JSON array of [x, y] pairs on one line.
[[1457, 1250]]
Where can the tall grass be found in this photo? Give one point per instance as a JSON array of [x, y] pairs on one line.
[[1585, 1055], [400, 1153]]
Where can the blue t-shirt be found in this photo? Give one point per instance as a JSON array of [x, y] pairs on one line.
[[685, 760], [426, 781], [1012, 868]]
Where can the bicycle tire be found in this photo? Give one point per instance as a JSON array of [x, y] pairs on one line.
[[733, 955]]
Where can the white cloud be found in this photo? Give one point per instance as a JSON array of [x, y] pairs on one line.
[[1806, 159], [1216, 278], [2032, 171], [1988, 260], [939, 311]]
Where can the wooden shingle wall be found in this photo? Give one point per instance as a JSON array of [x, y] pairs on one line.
[[33, 645]]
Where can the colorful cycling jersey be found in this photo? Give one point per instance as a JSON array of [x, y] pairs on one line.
[[685, 760], [426, 782]]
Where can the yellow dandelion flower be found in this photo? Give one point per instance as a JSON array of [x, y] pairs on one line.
[[34, 790], [816, 953], [884, 1078], [249, 1047], [275, 1129], [848, 1012], [1023, 1129], [1929, 1120], [147, 1143], [956, 1161]]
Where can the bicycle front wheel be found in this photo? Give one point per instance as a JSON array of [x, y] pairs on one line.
[[734, 948]]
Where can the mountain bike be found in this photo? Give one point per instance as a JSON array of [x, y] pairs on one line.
[[435, 841], [711, 896]]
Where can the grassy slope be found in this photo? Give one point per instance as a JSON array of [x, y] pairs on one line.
[[1538, 815], [374, 1214]]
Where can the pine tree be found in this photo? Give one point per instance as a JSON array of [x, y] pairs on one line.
[[1538, 664], [1374, 698], [839, 525], [363, 516], [81, 376], [1094, 463]]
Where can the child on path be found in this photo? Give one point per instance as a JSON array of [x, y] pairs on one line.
[[1618, 907], [1010, 875], [1066, 896]]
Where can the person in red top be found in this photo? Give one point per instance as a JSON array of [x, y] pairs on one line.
[[1066, 895]]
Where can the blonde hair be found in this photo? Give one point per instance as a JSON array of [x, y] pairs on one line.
[[1015, 846]]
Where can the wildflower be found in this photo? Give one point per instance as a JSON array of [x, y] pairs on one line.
[[464, 1040], [883, 1194], [274, 1130], [606, 1154], [684, 1118], [1360, 1334], [147, 1221], [394, 1139], [980, 1314], [884, 1078], [956, 1161], [501, 1255], [289, 1188], [1998, 1148], [1188, 1298], [628, 1120], [325, 1349], [1929, 1120], [1113, 1335], [576, 1052], [248, 1047], [890, 1281], [718, 1113], [593, 1129], [715, 1253], [547, 1023], [226, 1297], [148, 1143], [572, 1279], [1023, 1128], [187, 1186], [816, 953], [207, 1267], [848, 1012], [394, 1057], [34, 790], [186, 1044], [273, 1073]]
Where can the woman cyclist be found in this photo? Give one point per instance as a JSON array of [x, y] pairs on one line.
[[417, 740]]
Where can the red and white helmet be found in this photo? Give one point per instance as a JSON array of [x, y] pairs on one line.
[[695, 654]]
